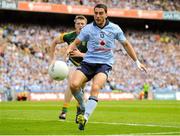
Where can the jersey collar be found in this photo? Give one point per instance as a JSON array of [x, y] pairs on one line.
[[107, 23]]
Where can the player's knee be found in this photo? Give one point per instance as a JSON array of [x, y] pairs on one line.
[[74, 85]]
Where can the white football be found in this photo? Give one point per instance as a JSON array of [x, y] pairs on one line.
[[58, 70]]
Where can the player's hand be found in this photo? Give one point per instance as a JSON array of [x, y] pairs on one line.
[[141, 66], [76, 53], [70, 48]]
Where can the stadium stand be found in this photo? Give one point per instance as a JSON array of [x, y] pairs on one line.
[[165, 5], [24, 60]]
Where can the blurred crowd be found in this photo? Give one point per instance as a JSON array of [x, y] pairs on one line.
[[24, 54], [166, 5], [159, 52]]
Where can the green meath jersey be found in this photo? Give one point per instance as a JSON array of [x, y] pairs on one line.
[[69, 38]]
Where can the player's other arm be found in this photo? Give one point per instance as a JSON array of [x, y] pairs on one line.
[[83, 36], [72, 47], [129, 49], [77, 53]]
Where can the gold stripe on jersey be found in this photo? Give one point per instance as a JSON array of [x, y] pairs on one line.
[[74, 62], [61, 37]]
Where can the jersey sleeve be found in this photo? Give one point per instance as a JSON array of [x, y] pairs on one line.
[[84, 34], [120, 35], [62, 36]]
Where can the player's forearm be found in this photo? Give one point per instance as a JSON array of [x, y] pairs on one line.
[[129, 49], [53, 46], [73, 45], [52, 50], [82, 54]]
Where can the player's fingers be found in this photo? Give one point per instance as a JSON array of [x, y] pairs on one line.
[[71, 53], [74, 53], [140, 68], [143, 68]]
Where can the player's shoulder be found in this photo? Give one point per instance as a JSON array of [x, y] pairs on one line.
[[115, 26], [89, 25], [67, 35], [70, 33]]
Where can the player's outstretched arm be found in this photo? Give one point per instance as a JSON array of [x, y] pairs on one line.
[[128, 47], [56, 41]]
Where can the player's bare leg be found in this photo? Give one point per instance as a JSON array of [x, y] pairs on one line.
[[77, 81], [98, 82], [67, 97]]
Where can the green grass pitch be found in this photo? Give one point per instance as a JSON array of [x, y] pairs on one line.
[[109, 118]]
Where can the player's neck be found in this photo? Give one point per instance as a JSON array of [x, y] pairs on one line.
[[102, 25], [105, 23], [77, 32]]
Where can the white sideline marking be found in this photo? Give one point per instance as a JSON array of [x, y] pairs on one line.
[[134, 134], [105, 123], [156, 133], [117, 123], [133, 124]]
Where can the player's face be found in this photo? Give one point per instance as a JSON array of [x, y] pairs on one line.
[[79, 24], [100, 16]]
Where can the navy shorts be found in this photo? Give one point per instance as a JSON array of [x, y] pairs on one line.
[[91, 69]]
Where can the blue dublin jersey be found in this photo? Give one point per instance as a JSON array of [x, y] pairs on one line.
[[101, 42]]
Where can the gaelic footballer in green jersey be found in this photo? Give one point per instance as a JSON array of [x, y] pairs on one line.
[[75, 57]]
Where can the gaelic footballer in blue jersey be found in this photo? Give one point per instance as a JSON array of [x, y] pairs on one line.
[[100, 36]]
